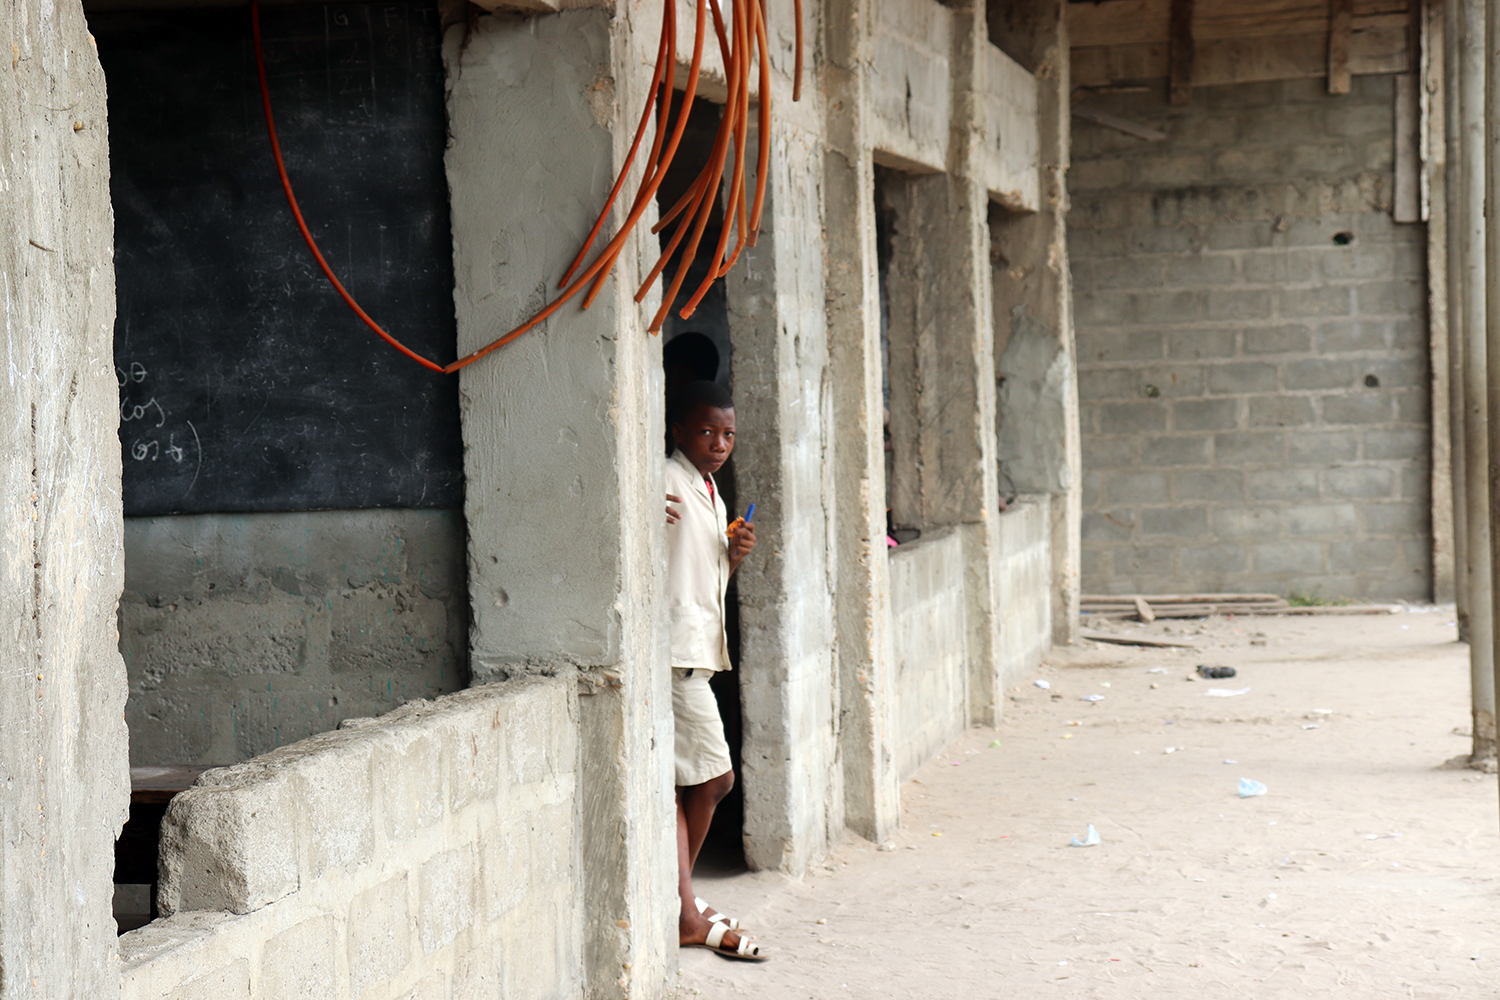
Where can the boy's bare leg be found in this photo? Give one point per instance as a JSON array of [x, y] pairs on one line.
[[699, 802], [695, 811]]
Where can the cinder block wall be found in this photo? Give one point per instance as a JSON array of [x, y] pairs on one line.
[[1024, 585], [1252, 346], [931, 632], [245, 632], [431, 852]]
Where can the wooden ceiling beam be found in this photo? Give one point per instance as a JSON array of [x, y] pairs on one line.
[[1180, 52], [1340, 33]]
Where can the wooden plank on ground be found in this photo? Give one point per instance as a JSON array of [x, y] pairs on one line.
[[1131, 640], [1347, 609], [1188, 598], [1180, 53]]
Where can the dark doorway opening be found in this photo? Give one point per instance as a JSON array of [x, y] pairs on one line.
[[724, 849]]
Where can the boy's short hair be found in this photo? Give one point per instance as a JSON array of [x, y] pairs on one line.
[[693, 354], [700, 393]]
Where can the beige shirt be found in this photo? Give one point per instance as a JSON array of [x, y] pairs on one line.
[[697, 570]]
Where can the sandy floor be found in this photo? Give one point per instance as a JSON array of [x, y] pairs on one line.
[[1367, 871]]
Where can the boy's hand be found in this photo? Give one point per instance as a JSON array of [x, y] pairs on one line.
[[673, 516], [741, 541]]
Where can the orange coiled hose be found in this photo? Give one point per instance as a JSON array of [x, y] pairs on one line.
[[748, 26]]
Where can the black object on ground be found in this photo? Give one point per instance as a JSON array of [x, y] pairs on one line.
[[1215, 673]]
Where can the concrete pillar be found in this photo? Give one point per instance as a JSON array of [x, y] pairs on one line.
[[63, 754], [1457, 221], [861, 577], [1471, 266], [788, 668], [562, 447], [1438, 108], [941, 341], [1491, 141], [1039, 446]]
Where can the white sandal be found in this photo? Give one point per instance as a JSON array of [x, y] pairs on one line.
[[745, 951], [720, 918]]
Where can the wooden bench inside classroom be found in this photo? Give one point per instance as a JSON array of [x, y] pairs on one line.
[[138, 846]]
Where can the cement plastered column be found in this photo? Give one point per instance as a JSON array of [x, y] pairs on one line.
[[788, 672], [1490, 156], [63, 756], [872, 805], [1474, 561], [1039, 446], [562, 458], [1458, 223]]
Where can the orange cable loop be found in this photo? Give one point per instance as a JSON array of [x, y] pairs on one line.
[[668, 55], [763, 131], [643, 199], [695, 206], [736, 202], [716, 162], [734, 120], [640, 133], [291, 199], [797, 73], [701, 207]]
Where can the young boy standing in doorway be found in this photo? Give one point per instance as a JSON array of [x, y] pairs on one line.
[[703, 551]]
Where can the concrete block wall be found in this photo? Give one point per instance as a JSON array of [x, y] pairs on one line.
[[1024, 593], [932, 650], [433, 852], [929, 608], [245, 632], [1252, 347]]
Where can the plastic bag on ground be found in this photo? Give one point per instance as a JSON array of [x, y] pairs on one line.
[[1090, 839]]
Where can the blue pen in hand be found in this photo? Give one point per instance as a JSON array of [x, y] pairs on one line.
[[749, 513]]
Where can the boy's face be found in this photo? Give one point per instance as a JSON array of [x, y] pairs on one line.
[[706, 437]]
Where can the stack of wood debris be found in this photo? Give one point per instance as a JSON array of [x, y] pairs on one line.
[[1149, 607]]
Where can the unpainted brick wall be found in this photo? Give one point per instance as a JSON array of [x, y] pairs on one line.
[[1252, 346], [431, 852]]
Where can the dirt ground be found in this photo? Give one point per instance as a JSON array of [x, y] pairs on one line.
[[1367, 870]]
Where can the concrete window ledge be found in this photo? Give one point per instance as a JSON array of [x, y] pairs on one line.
[[434, 844]]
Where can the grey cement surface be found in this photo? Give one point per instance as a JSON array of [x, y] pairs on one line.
[[860, 581], [64, 786], [245, 632], [562, 436], [1254, 388], [788, 660]]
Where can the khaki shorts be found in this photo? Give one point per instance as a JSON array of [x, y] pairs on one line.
[[700, 748]]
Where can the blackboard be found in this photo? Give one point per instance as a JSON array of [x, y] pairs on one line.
[[245, 383]]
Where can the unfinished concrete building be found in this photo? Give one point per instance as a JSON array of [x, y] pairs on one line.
[[409, 622], [403, 627]]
